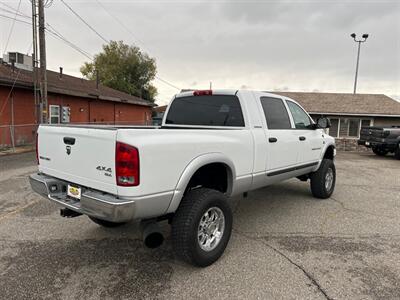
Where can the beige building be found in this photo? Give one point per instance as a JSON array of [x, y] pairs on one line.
[[349, 112]]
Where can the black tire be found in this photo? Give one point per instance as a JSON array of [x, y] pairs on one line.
[[379, 151], [397, 152], [185, 226], [105, 223], [318, 180]]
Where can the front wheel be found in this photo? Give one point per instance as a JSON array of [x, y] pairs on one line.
[[201, 227], [379, 151], [323, 180]]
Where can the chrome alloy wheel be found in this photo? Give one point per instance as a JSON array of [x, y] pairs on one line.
[[329, 179], [211, 229]]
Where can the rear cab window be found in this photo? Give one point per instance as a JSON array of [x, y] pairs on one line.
[[206, 110]]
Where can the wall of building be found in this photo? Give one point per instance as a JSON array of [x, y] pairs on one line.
[[379, 121], [20, 105], [16, 109]]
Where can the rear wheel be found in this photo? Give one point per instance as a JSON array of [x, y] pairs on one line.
[[201, 227], [379, 151], [105, 223], [323, 180]]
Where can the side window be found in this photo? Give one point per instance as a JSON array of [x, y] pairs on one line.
[[275, 113], [300, 117]]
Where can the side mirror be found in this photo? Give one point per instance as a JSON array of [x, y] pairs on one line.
[[323, 122]]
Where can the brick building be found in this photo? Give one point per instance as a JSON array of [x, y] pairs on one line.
[[86, 102]]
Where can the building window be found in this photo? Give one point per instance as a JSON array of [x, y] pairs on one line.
[[334, 129], [365, 123], [347, 127], [20, 58], [54, 114], [354, 127]]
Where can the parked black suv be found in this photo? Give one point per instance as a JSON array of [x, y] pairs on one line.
[[381, 140]]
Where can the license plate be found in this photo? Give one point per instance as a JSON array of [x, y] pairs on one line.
[[367, 143], [74, 192]]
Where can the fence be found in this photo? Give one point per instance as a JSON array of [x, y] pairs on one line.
[[12, 136]]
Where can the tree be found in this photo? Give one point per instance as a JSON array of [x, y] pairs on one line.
[[124, 68]]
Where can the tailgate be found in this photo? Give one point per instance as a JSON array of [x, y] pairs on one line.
[[371, 133], [85, 156]]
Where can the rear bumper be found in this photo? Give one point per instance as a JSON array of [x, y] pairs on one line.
[[383, 145], [92, 203]]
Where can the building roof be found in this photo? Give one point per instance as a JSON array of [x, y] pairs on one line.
[[346, 104], [67, 85], [160, 109]]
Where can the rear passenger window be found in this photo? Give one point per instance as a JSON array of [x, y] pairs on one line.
[[275, 113]]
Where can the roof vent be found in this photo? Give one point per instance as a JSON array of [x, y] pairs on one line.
[[61, 72]]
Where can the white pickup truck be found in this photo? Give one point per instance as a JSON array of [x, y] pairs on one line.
[[213, 144]]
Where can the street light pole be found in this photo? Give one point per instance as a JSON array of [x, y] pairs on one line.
[[364, 38]]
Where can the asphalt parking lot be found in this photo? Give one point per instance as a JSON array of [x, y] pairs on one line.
[[285, 244]]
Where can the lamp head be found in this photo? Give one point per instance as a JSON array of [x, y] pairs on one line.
[[353, 35], [365, 35]]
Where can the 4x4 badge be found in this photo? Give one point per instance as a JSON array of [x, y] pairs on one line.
[[68, 150]]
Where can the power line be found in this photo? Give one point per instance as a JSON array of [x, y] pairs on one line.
[[119, 22], [21, 21], [166, 82], [14, 12], [55, 34], [12, 27], [134, 37], [86, 23], [50, 29]]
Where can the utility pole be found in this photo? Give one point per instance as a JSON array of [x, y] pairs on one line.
[[43, 68], [38, 114], [364, 38]]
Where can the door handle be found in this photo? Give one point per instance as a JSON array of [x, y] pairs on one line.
[[302, 138], [272, 140], [69, 140]]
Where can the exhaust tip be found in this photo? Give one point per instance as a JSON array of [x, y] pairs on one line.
[[151, 235], [153, 240]]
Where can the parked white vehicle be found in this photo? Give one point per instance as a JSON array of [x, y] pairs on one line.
[[212, 145]]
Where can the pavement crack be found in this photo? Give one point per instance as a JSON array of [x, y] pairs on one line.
[[298, 266], [344, 207]]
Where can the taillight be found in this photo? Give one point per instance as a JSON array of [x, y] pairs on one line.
[[126, 165], [202, 93], [37, 148]]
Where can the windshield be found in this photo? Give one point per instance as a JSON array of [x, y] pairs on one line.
[[207, 110]]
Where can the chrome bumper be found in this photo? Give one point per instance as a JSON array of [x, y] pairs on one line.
[[92, 203]]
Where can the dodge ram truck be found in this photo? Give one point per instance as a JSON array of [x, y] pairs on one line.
[[211, 145], [382, 140]]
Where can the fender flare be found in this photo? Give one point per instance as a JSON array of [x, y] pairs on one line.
[[192, 167], [326, 147]]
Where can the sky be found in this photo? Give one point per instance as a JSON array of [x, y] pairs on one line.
[[261, 45]]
